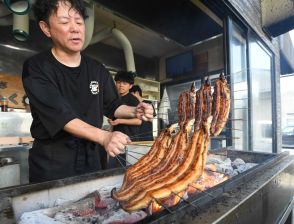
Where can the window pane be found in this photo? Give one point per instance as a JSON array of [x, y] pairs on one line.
[[261, 105], [239, 88]]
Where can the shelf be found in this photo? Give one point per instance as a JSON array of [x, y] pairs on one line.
[[150, 88]]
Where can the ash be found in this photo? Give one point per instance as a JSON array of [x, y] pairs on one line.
[[227, 166], [97, 207]]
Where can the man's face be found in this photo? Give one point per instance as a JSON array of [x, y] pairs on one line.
[[123, 87], [66, 28]]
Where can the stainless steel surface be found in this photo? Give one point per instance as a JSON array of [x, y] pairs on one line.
[[15, 124], [10, 175], [6, 161], [19, 153]]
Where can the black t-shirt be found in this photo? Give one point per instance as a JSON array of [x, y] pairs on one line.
[[59, 93], [130, 130]]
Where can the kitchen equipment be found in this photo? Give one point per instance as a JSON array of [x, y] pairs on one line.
[[6, 160], [262, 194]]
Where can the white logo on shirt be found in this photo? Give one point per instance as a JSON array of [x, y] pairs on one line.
[[94, 87]]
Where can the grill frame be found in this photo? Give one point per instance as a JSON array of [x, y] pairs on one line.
[[274, 171], [275, 166]]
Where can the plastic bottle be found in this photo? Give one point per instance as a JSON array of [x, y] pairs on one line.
[[4, 104]]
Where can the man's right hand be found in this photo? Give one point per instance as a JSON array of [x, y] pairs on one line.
[[115, 142]]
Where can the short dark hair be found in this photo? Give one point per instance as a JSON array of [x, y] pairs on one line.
[[136, 88], [44, 8], [125, 77]]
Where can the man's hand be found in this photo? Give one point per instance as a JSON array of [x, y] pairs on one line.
[[114, 122], [114, 142], [144, 111]]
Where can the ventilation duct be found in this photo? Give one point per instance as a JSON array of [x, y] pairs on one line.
[[20, 27], [127, 48], [20, 7], [122, 40], [4, 11], [89, 23]]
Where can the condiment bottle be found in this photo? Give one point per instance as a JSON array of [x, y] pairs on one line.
[[4, 104]]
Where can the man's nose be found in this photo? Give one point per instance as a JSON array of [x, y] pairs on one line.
[[74, 27]]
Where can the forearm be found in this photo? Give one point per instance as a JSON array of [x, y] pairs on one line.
[[125, 111], [83, 130], [130, 121]]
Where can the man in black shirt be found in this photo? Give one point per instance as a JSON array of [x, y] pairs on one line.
[[124, 81], [69, 93]]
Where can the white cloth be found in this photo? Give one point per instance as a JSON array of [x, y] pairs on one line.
[[164, 107]]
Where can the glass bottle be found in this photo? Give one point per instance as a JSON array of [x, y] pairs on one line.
[[4, 104]]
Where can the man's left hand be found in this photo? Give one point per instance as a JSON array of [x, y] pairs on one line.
[[114, 122], [144, 111]]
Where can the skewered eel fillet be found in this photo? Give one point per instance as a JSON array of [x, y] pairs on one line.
[[178, 181], [186, 104], [221, 105], [152, 158], [172, 160], [177, 178], [163, 172]]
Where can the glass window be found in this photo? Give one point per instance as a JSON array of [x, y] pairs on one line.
[[261, 97], [173, 93], [239, 89]]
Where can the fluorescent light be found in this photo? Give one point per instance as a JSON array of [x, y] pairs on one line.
[[16, 48]]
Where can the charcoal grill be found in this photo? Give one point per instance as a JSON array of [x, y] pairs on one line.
[[262, 194]]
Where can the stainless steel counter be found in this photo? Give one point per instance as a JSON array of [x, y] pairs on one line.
[[15, 124], [20, 155]]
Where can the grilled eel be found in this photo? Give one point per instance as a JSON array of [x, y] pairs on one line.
[[172, 160], [154, 155], [221, 105], [207, 102], [188, 173], [186, 104], [198, 108], [216, 105], [146, 158], [197, 139], [169, 177]]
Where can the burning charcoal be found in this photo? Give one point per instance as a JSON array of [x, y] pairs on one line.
[[213, 161], [112, 192], [242, 168], [94, 220], [237, 162], [124, 217], [99, 203]]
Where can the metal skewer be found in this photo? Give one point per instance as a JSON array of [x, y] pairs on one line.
[[135, 152], [133, 156], [118, 157], [201, 191], [185, 200], [163, 205]]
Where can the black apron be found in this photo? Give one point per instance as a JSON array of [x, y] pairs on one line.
[[56, 159]]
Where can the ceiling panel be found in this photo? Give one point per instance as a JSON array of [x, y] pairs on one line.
[[144, 41], [179, 20]]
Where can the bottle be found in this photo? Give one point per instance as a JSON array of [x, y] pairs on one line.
[[4, 104]]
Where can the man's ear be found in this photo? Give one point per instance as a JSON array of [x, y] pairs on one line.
[[45, 28]]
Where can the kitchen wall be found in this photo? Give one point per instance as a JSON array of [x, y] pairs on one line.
[[214, 50], [14, 53]]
